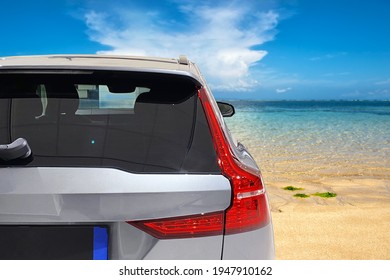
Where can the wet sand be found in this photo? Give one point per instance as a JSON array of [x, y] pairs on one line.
[[354, 225]]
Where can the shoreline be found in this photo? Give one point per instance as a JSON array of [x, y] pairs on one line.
[[322, 147]]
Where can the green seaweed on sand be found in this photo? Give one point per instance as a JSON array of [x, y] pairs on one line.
[[292, 188], [325, 194], [301, 195]]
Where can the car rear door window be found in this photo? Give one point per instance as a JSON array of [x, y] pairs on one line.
[[139, 122]]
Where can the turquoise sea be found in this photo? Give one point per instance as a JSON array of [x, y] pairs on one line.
[[311, 141]]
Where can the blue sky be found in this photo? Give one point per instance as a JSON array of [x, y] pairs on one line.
[[256, 49]]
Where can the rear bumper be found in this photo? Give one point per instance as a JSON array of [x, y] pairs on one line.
[[128, 242], [252, 245]]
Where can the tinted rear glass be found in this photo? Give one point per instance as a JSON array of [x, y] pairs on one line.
[[139, 122]]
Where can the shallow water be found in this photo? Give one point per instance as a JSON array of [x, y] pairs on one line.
[[313, 141]]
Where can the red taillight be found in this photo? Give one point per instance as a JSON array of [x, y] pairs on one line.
[[249, 208], [183, 227]]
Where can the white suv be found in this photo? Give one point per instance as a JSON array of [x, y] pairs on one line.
[[115, 157]]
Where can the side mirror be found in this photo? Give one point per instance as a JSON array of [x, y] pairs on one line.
[[227, 110]]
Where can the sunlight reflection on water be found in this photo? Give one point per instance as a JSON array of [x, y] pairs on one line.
[[315, 140]]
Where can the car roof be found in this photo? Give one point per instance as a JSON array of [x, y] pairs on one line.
[[180, 66]]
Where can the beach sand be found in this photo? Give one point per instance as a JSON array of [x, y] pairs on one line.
[[354, 225]]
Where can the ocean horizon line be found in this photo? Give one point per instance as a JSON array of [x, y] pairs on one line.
[[303, 100]]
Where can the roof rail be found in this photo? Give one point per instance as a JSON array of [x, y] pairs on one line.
[[183, 60]]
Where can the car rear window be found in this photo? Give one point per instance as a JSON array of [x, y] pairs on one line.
[[139, 122]]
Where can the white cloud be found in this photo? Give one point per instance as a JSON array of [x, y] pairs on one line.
[[223, 41], [384, 82], [283, 90]]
